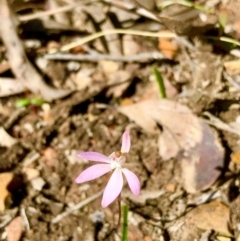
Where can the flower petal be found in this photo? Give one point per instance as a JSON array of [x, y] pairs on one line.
[[93, 172], [93, 156], [133, 181], [113, 188], [126, 142]]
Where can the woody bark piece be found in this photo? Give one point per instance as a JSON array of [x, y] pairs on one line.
[[20, 65]]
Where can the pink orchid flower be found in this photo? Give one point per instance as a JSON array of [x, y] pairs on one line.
[[112, 163]]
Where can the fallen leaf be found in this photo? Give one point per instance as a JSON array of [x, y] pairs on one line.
[[213, 215], [170, 187], [167, 47], [137, 113], [118, 82], [235, 157], [201, 153], [126, 102], [30, 173], [232, 67], [5, 195], [15, 229], [167, 151], [144, 196]]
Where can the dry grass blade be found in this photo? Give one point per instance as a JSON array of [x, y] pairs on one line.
[[116, 31], [76, 207]]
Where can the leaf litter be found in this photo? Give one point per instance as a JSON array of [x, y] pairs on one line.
[[184, 136], [184, 145]]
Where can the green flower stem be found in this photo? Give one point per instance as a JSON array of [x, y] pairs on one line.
[[160, 82], [125, 223]]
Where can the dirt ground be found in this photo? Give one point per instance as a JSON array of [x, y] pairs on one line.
[[38, 163]]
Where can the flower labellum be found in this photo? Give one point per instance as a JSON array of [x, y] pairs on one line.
[[112, 163]]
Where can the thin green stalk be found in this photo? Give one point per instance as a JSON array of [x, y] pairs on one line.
[[160, 82], [125, 223]]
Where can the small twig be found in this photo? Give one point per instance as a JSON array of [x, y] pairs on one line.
[[69, 7], [24, 216], [214, 121], [96, 57], [231, 80], [76, 207], [132, 7], [22, 68], [17, 114]]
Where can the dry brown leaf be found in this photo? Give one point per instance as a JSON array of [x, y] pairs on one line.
[[5, 196], [232, 67], [144, 196], [119, 82], [126, 102], [30, 173], [214, 215], [167, 47], [235, 157], [15, 229], [137, 113], [167, 151], [200, 150]]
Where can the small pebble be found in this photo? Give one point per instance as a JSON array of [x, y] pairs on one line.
[[38, 183], [73, 66]]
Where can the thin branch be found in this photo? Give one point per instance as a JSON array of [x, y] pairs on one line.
[[76, 207], [32, 16], [22, 68], [96, 57], [214, 121], [231, 81]]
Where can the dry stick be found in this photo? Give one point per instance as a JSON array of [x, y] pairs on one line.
[[33, 16], [10, 86], [97, 57], [76, 207], [214, 121], [126, 6], [20, 65], [231, 81], [132, 7]]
